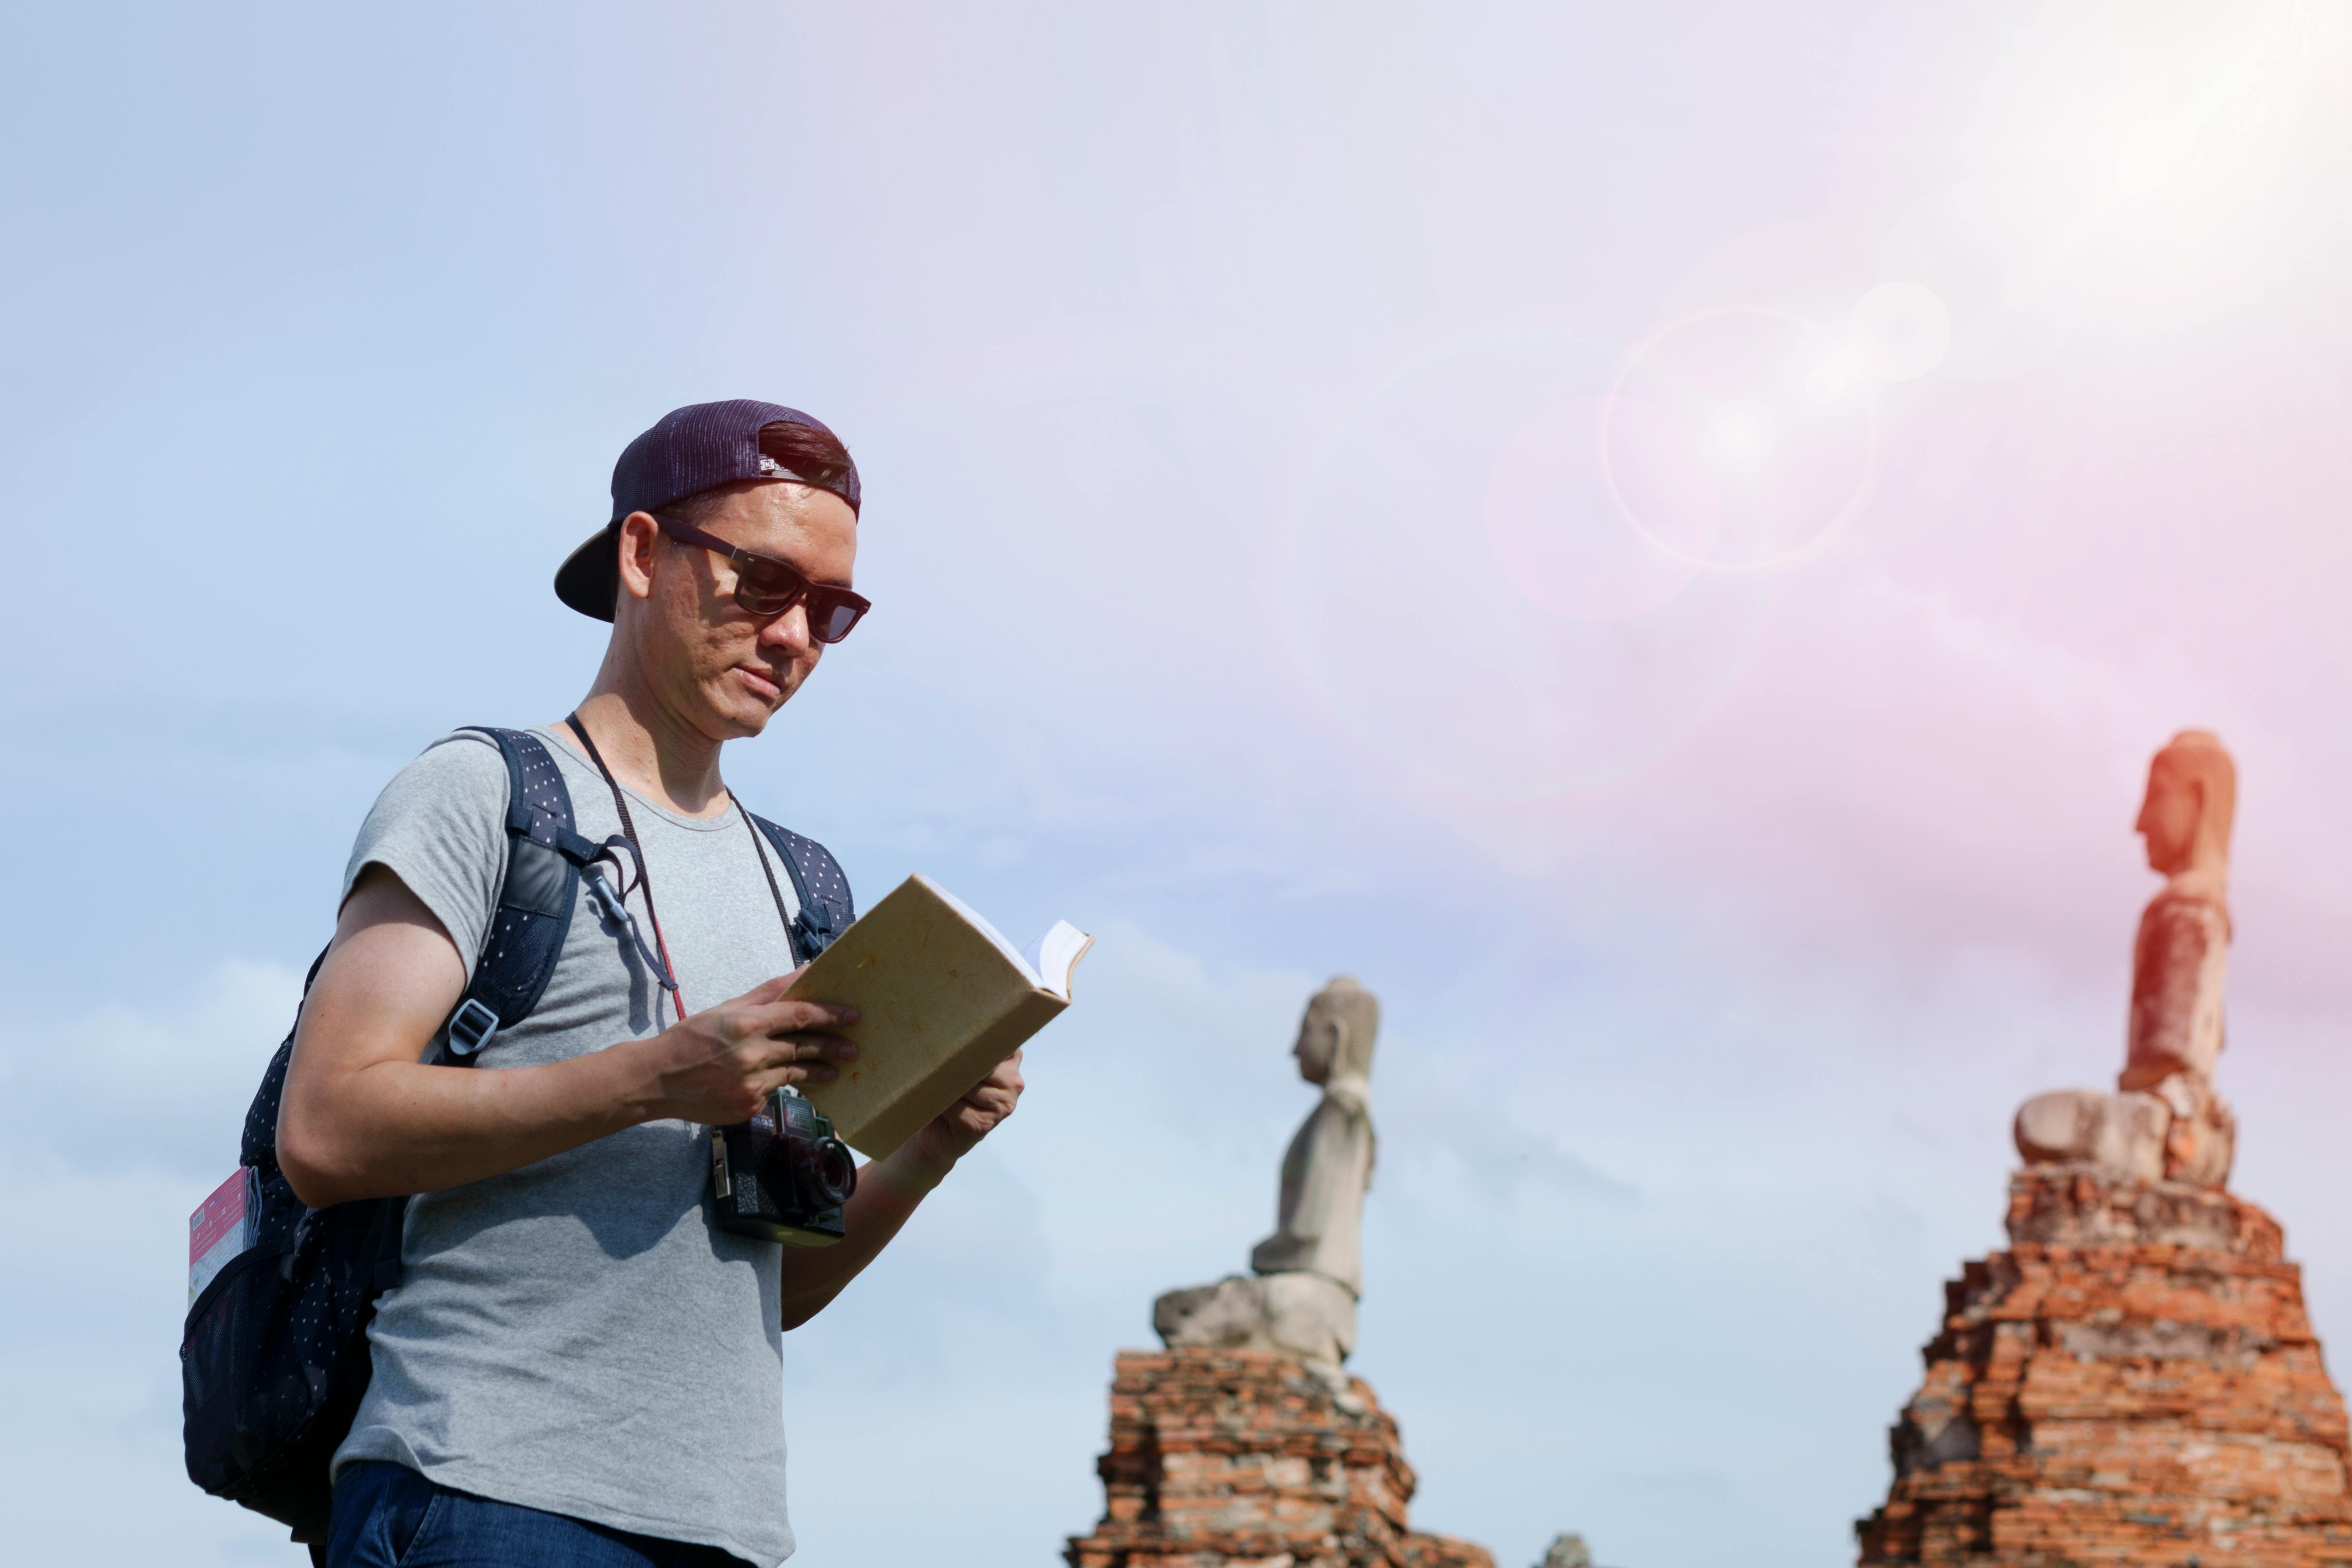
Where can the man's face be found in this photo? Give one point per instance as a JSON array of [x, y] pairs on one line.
[[2168, 820], [716, 666]]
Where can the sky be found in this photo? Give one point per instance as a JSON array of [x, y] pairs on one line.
[[1661, 538]]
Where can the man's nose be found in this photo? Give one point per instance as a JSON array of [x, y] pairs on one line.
[[789, 631]]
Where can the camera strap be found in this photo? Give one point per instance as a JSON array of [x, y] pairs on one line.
[[613, 903], [666, 970], [637, 851], [770, 872]]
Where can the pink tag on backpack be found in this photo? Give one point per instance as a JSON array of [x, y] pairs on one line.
[[219, 1230]]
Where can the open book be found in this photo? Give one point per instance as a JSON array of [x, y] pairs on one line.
[[942, 999]]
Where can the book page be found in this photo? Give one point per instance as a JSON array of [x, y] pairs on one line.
[[1053, 957]]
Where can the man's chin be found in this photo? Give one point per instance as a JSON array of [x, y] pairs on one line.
[[748, 720], [739, 714]]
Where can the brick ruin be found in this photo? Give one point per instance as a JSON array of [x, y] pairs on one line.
[[1252, 1459], [2134, 1380]]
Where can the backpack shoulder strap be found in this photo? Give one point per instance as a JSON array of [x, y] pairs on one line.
[[544, 858], [819, 886], [544, 861]]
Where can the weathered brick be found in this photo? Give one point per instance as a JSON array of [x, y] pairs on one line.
[[2134, 1380], [1245, 1459]]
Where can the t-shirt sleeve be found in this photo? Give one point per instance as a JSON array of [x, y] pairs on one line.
[[440, 827]]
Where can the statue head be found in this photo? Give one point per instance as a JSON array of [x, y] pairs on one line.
[[2192, 793], [1336, 1035]]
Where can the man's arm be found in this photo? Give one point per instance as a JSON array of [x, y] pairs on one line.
[[888, 1190], [363, 1115]]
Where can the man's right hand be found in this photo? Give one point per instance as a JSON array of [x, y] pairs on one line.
[[719, 1065], [363, 1115]]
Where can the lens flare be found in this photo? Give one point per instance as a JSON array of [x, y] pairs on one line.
[[1468, 604], [1559, 539], [1899, 332], [1998, 258], [1766, 405], [1745, 435], [1831, 380]]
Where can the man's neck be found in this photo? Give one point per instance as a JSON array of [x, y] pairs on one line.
[[650, 751]]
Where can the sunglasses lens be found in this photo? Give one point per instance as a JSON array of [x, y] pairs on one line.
[[830, 619], [766, 593]]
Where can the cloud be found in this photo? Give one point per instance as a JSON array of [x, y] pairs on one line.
[[166, 1091]]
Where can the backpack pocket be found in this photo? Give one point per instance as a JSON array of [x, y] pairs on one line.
[[275, 1358]]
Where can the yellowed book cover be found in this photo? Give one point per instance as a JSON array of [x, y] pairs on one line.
[[942, 999]]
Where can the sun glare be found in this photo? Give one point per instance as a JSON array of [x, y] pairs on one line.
[[1743, 433], [2123, 179]]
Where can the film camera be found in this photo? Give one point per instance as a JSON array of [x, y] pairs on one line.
[[783, 1175]]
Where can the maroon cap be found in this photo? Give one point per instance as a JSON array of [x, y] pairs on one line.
[[689, 451]]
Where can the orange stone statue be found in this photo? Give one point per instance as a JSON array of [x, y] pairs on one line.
[[2166, 1120]]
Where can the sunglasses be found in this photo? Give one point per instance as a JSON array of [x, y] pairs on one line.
[[767, 588]]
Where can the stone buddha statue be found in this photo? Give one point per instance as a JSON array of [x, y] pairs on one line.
[[2166, 1120], [1307, 1275]]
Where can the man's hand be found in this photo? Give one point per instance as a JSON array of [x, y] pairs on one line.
[[893, 1188], [719, 1065], [955, 1132], [814, 1276], [364, 1117]]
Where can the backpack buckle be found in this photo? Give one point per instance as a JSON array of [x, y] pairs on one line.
[[471, 1025], [814, 928]]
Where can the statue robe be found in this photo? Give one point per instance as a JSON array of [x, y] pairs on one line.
[[2168, 1123], [1324, 1173], [2179, 963]]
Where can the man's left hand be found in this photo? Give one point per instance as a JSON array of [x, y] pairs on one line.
[[957, 1131]]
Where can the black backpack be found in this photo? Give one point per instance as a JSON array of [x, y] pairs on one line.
[[275, 1357]]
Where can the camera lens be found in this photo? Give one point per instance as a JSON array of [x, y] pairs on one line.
[[826, 1174]]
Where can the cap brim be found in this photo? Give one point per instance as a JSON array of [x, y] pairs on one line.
[[590, 578]]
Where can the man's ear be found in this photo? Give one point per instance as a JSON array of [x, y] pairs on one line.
[[640, 537]]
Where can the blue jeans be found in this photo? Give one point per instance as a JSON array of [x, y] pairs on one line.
[[388, 1516]]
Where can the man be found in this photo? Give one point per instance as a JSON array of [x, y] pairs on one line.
[[578, 1366]]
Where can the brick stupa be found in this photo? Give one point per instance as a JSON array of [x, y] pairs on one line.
[[1239, 1458], [2134, 1380]]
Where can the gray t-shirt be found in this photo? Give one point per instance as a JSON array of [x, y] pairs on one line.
[[576, 1336]]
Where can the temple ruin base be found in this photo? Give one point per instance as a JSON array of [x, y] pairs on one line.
[[2134, 1380], [1228, 1458]]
